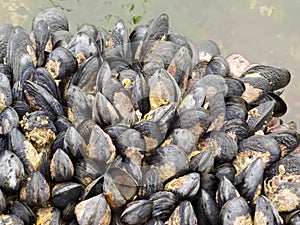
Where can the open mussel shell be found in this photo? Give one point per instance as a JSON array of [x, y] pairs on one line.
[[137, 212], [164, 202], [183, 214], [169, 161], [12, 171], [35, 191], [23, 211], [64, 193], [236, 211], [266, 211]]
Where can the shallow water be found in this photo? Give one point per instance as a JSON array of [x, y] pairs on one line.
[[263, 31]]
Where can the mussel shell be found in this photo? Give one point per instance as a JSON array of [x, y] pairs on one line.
[[226, 191], [3, 202], [36, 190], [12, 171], [61, 63], [137, 212], [266, 211], [8, 120], [10, 219], [90, 29], [54, 18], [218, 66], [235, 87], [237, 64], [236, 108], [87, 170], [94, 210], [183, 214], [141, 94], [48, 215], [170, 161], [235, 211], [277, 77], [64, 193], [61, 166], [23, 211], [207, 50], [293, 218], [208, 208], [5, 31], [163, 204], [5, 92], [184, 187]]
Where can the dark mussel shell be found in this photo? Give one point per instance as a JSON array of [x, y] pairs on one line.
[[40, 38], [39, 129], [83, 46], [104, 113], [35, 191], [79, 106], [141, 94], [5, 31], [3, 202], [249, 181], [64, 193], [60, 38], [207, 50], [118, 187], [137, 212], [226, 191], [54, 18], [8, 120], [5, 92], [151, 183], [257, 146], [23, 211], [236, 108], [61, 63], [12, 171], [131, 144], [94, 210], [157, 31], [218, 66], [238, 129], [277, 77], [163, 204], [181, 68], [61, 166], [266, 211], [236, 211], [224, 147], [183, 214], [169, 161], [236, 87], [40, 99], [24, 149], [184, 187], [163, 89], [120, 40]]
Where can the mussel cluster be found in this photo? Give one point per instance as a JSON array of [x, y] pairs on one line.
[[140, 127]]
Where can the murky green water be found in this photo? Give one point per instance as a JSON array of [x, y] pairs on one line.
[[264, 31]]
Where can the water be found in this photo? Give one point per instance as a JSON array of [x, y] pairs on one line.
[[263, 31]]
